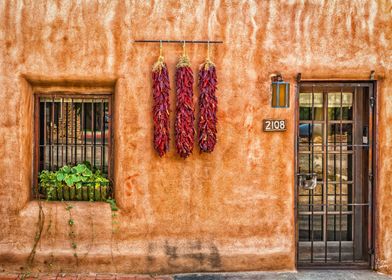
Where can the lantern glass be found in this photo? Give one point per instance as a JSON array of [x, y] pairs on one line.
[[274, 95], [280, 94]]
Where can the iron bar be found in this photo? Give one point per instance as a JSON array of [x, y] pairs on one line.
[[322, 212], [44, 126], [332, 83], [335, 185], [76, 131], [370, 228], [71, 132], [325, 169], [57, 137], [104, 134], [110, 146], [82, 152], [85, 131], [102, 120], [92, 151], [340, 179], [66, 132], [74, 145], [337, 204], [331, 121], [296, 192], [51, 135], [312, 191], [61, 126], [94, 137], [180, 41], [346, 145], [353, 168]]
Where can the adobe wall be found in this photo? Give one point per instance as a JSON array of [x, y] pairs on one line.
[[226, 211]]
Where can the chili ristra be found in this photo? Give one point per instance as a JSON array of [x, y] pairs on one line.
[[184, 124], [207, 106], [161, 90]]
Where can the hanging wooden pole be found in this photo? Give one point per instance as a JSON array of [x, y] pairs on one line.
[[179, 41]]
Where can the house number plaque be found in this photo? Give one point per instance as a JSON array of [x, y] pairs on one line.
[[274, 125]]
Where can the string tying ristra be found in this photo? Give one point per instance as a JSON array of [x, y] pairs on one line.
[[184, 59], [159, 64], [208, 63]]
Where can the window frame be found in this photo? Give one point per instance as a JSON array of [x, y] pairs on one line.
[[88, 94]]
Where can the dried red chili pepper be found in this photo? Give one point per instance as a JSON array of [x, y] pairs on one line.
[[160, 90], [207, 107], [184, 127]]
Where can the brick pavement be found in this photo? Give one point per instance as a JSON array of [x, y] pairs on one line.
[[301, 275]]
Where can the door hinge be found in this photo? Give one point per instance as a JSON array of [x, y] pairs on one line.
[[371, 251], [370, 176], [372, 101]]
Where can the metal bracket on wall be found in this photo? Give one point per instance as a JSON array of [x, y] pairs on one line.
[[372, 75], [298, 78]]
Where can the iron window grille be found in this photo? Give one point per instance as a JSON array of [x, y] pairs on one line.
[[72, 128]]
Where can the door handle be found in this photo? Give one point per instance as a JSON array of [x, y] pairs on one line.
[[365, 135], [305, 183]]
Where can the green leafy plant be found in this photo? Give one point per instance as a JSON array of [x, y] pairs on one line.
[[74, 183]]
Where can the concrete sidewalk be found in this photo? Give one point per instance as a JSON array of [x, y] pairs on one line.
[[303, 275]]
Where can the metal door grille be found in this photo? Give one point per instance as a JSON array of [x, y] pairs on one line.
[[333, 166]]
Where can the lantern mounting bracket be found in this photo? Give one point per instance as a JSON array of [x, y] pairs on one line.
[[277, 77], [298, 77], [372, 75]]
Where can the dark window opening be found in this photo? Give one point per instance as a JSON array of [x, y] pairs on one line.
[[72, 129]]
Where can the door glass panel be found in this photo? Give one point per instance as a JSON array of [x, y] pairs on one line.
[[310, 227], [337, 189], [335, 202], [311, 200], [306, 100], [340, 167], [339, 228], [340, 134], [339, 195], [309, 165], [310, 134], [305, 106], [340, 105]]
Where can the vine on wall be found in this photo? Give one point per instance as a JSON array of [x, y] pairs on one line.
[[71, 232], [38, 234]]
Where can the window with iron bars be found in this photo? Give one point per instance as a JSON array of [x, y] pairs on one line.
[[71, 129]]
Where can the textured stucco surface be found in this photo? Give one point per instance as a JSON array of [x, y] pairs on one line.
[[230, 210]]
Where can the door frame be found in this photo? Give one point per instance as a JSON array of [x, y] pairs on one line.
[[374, 168]]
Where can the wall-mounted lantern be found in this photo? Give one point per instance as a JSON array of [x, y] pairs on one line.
[[280, 92]]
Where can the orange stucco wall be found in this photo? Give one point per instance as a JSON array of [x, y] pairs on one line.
[[229, 210]]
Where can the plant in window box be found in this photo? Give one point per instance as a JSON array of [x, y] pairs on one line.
[[74, 183]]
